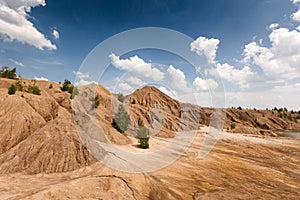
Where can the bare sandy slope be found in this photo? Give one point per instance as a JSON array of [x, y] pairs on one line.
[[239, 167], [43, 157]]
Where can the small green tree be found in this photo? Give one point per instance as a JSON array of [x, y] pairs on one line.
[[66, 86], [74, 92], [96, 101], [5, 72], [12, 89], [121, 97], [143, 137], [19, 86], [121, 120], [33, 89]]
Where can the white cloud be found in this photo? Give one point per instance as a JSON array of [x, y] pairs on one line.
[[17, 62], [295, 1], [233, 75], [55, 34], [296, 16], [125, 87], [273, 26], [205, 46], [138, 66], [81, 75], [263, 99], [81, 79], [83, 82], [279, 62], [135, 81], [202, 84], [298, 28], [14, 23], [41, 78], [291, 88], [178, 79], [170, 93]]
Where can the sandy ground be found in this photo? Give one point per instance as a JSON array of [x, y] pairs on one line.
[[239, 167]]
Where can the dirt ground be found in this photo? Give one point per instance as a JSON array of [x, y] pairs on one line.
[[239, 167]]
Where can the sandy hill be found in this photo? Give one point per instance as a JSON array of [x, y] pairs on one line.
[[38, 132], [42, 156]]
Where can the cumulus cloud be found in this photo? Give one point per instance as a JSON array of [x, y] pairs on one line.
[[135, 81], [273, 26], [205, 46], [295, 1], [296, 16], [178, 79], [125, 87], [138, 66], [202, 84], [41, 78], [170, 93], [14, 23], [280, 61], [240, 77], [83, 82], [81, 75], [55, 34], [287, 88], [17, 62], [208, 47], [82, 79]]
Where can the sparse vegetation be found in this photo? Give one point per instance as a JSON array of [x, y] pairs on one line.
[[34, 89], [121, 97], [239, 108], [232, 125], [121, 120], [67, 86], [133, 101], [96, 101], [12, 89], [19, 86], [74, 93], [5, 72], [143, 137], [50, 86]]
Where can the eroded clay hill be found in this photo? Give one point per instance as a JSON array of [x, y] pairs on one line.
[[146, 102], [38, 132], [42, 156]]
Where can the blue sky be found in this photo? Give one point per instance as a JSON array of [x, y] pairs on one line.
[[251, 45]]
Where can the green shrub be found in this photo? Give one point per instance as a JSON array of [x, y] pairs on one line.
[[74, 92], [143, 137], [121, 97], [12, 89], [133, 101], [19, 86], [96, 101], [33, 89], [232, 125], [121, 120], [290, 117], [66, 86], [50, 86]]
